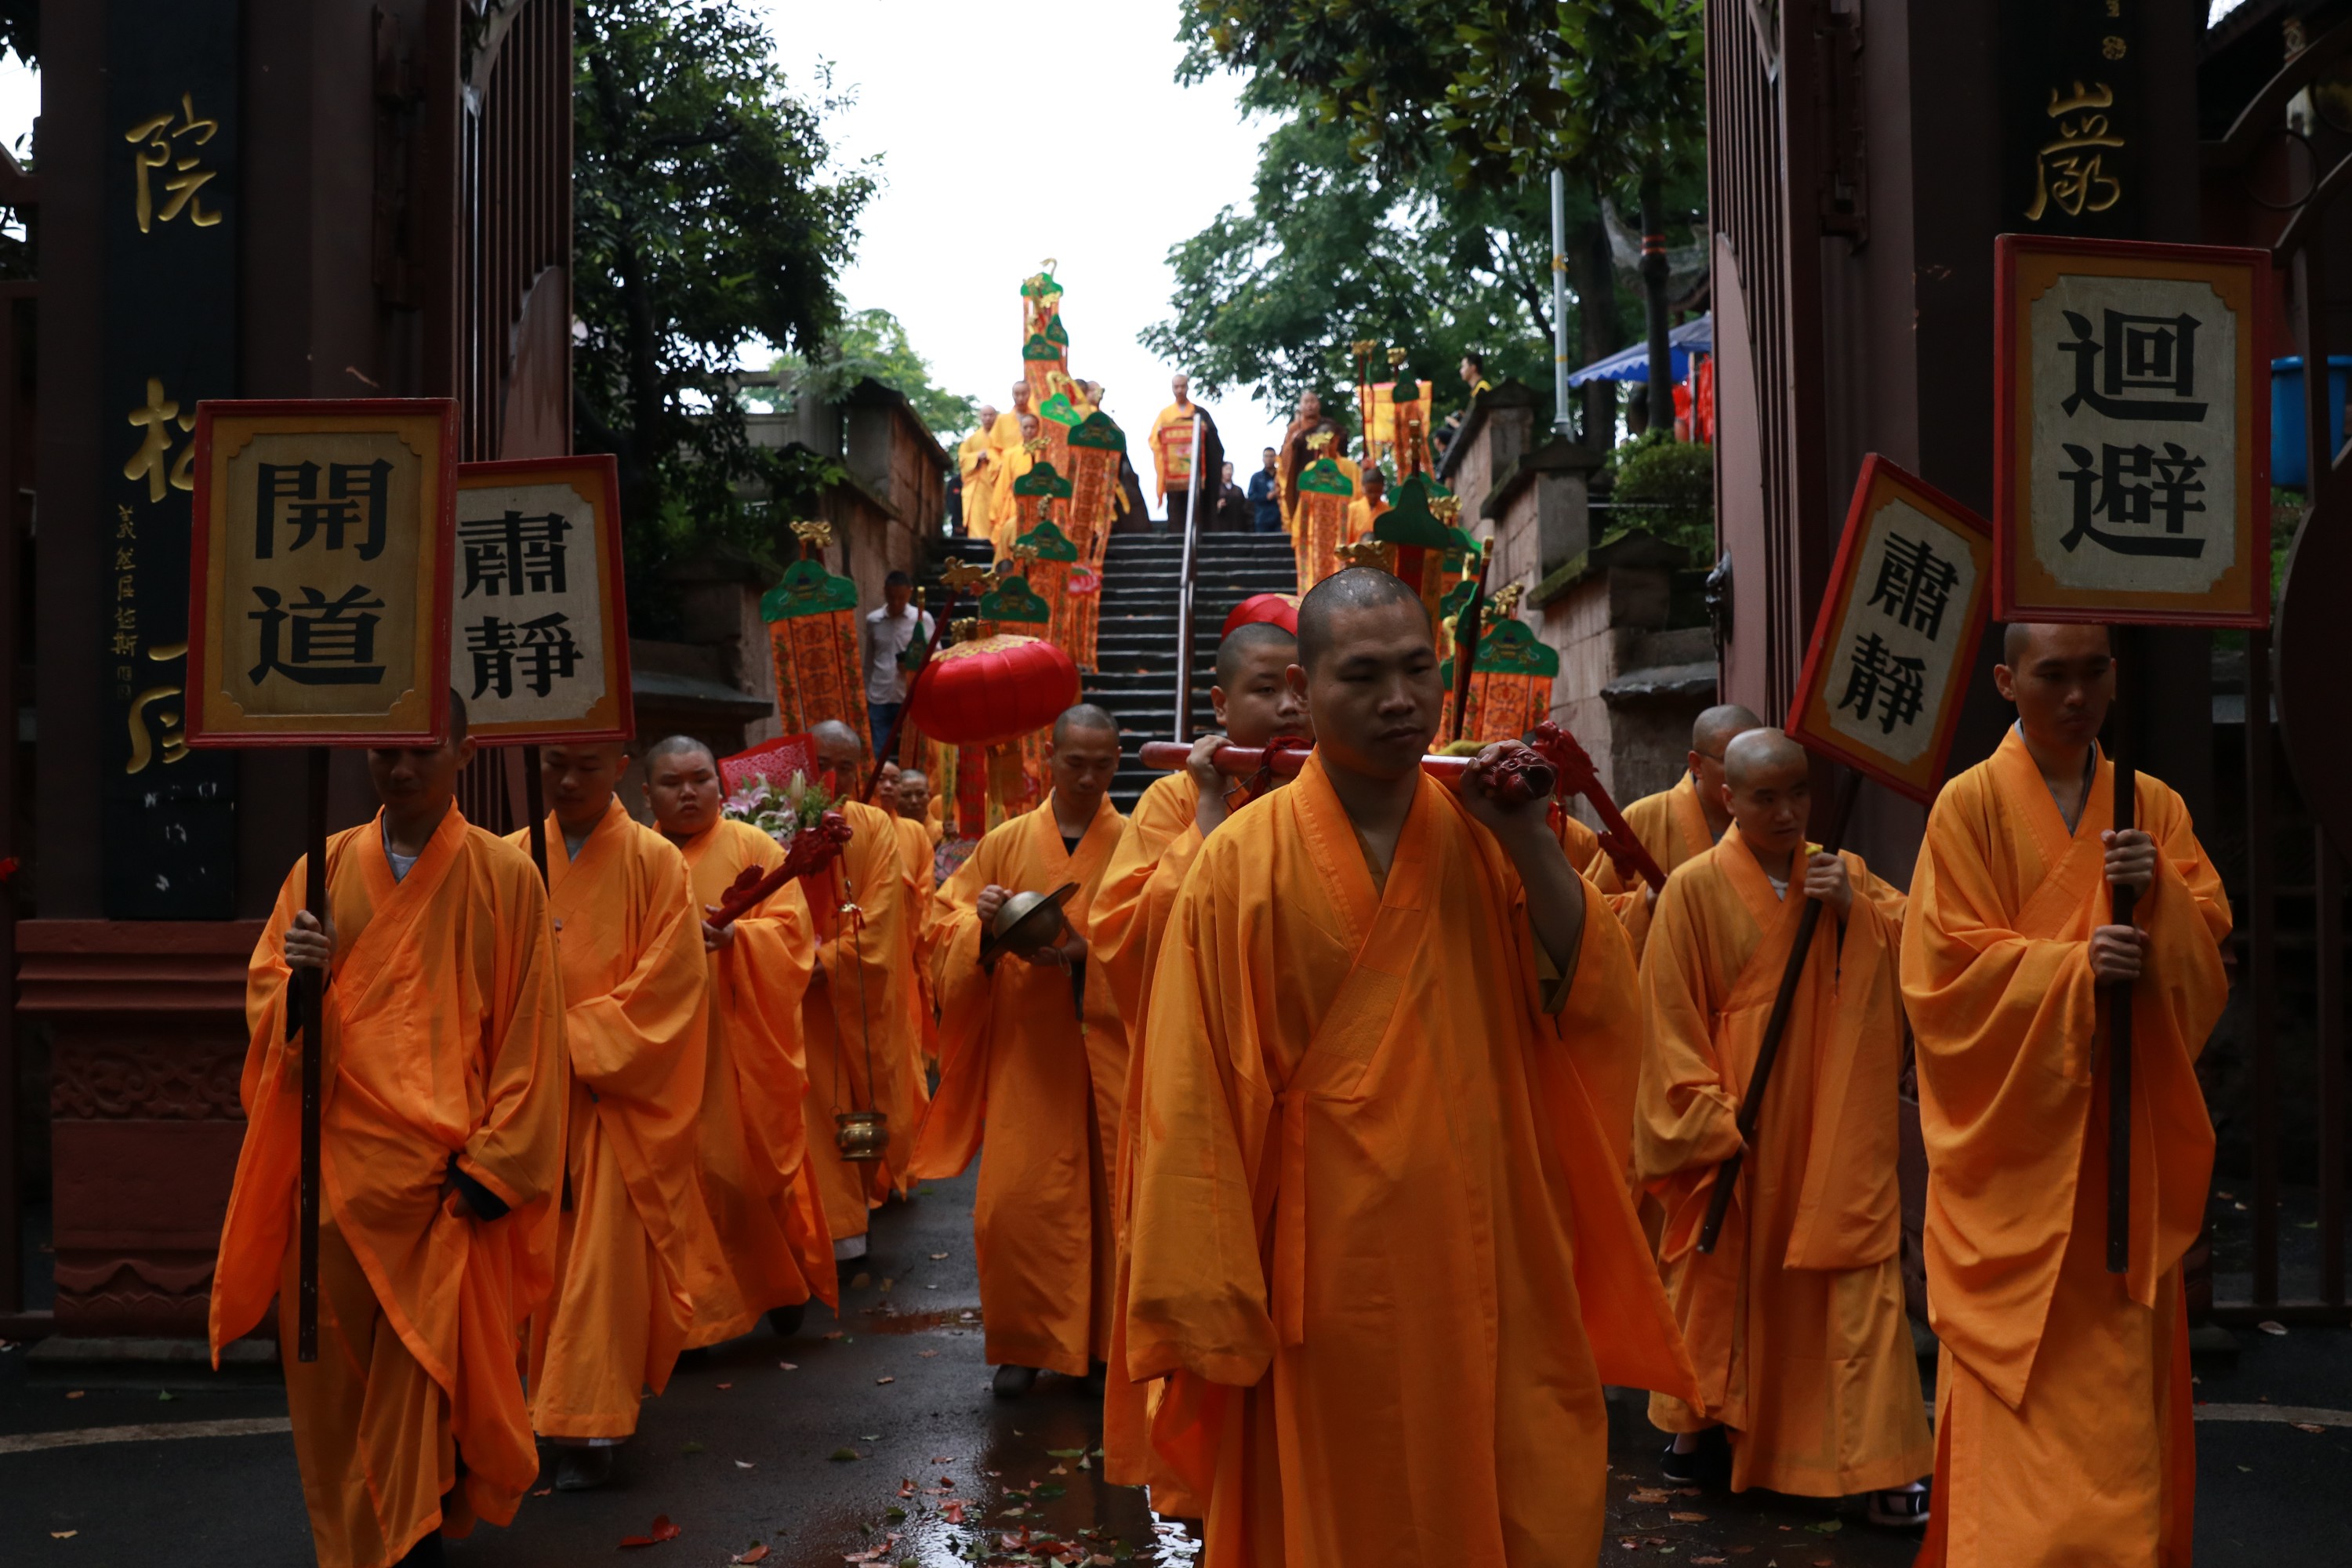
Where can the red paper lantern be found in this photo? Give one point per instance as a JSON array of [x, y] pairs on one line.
[[1277, 609], [993, 689]]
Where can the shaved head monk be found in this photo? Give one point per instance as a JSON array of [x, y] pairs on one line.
[[1679, 823], [974, 456], [905, 797], [1033, 1055], [756, 1179], [1255, 704], [1382, 1244], [441, 1154], [635, 1247], [2062, 1395], [1806, 1276], [862, 1017]]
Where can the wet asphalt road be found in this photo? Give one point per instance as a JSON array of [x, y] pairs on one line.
[[803, 1447]]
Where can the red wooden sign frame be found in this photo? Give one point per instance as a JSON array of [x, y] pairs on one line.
[[324, 415], [2012, 435], [1882, 481], [603, 470]]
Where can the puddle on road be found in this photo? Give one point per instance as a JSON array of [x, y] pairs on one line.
[[883, 1321]]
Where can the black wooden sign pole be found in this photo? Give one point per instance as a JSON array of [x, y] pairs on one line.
[[310, 995], [1776, 1023], [2119, 995], [534, 806]]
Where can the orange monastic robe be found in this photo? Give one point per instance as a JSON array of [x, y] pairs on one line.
[[1674, 829], [1382, 1237], [2061, 1397], [863, 1009], [922, 882], [1016, 1060], [635, 1248], [444, 1025], [1806, 1278], [761, 1187], [977, 472]]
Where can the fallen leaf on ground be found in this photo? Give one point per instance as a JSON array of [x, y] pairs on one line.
[[859, 1280], [544, 1491], [1687, 1516], [63, 1534], [757, 1554], [938, 1256], [789, 1365], [744, 1463], [2308, 1426], [166, 1396], [2270, 1328], [726, 1386], [1649, 1497], [835, 1335], [1826, 1527], [695, 1448], [952, 1510], [663, 1530], [883, 1380], [1705, 1561], [75, 1395], [927, 1355], [843, 1455]]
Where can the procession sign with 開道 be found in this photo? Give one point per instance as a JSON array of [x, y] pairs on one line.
[[1896, 638], [539, 640], [2132, 433], [319, 605]]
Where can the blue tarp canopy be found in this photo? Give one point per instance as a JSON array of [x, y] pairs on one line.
[[1633, 364]]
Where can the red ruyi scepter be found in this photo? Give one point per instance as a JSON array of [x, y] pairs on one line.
[[1553, 764]]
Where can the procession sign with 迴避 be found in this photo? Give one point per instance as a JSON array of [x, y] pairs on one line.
[[320, 559], [1896, 639], [2132, 433], [538, 642]]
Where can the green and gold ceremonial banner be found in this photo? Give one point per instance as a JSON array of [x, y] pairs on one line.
[[319, 609], [812, 618], [1320, 524], [1096, 447], [1416, 535], [1510, 684], [1047, 559], [1045, 365], [1056, 418]]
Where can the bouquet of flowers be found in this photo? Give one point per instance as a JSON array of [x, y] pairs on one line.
[[779, 811], [801, 817]]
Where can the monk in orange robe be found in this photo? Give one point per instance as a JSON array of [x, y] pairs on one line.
[[1032, 1053], [905, 795], [1680, 823], [1254, 704], [759, 1185], [1383, 1240], [972, 459], [1805, 1276], [862, 1016], [634, 1246], [441, 1153], [2062, 1391]]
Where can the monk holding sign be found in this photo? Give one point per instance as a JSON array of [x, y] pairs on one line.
[[862, 1015], [1680, 823], [1383, 1240], [1033, 1052], [441, 1156], [1255, 704], [1796, 1320], [757, 1180], [635, 1247], [2062, 1394]]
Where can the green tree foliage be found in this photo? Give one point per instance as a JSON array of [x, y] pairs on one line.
[[1269, 300], [1668, 487], [705, 214], [1496, 93], [872, 343]]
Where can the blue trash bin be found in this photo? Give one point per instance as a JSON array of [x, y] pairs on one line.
[[2290, 452]]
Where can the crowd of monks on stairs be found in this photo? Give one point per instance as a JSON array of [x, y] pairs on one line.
[[1351, 1133]]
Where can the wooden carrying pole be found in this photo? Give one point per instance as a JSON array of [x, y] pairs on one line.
[[1184, 731], [2119, 993], [311, 992], [1776, 1023]]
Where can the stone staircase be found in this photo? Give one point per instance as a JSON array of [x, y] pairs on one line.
[[1135, 677]]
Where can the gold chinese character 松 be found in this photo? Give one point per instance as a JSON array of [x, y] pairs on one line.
[[148, 462], [188, 174], [2068, 172]]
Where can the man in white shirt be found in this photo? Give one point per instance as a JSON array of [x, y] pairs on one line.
[[889, 631]]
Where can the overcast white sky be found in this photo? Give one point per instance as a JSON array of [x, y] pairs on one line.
[[960, 147]]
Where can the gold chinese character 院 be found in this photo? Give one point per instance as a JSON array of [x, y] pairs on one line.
[[2067, 172], [148, 462], [188, 174]]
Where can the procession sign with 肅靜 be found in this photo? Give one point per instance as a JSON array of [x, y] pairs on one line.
[[1896, 638], [319, 609], [2132, 433], [538, 639]]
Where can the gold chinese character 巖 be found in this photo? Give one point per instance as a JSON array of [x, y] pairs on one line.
[[148, 462], [2067, 172], [187, 172]]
